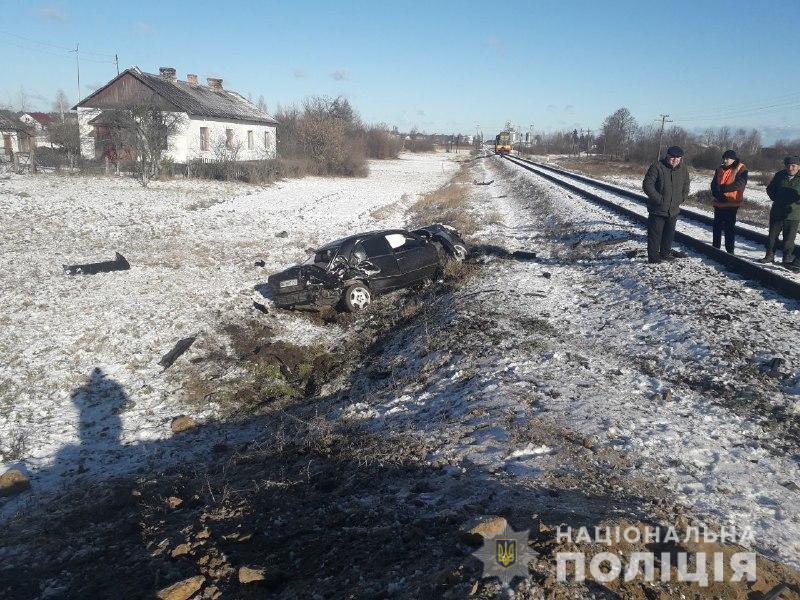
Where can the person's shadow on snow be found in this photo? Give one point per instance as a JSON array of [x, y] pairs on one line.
[[99, 403]]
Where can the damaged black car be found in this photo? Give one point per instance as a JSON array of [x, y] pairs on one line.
[[349, 272]]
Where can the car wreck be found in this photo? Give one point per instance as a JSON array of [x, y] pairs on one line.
[[350, 272]]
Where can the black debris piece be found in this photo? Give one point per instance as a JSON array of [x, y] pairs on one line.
[[179, 348], [118, 264]]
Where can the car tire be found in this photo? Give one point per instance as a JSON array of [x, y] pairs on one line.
[[356, 297], [459, 253]]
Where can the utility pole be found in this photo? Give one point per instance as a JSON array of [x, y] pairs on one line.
[[78, 69], [116, 62], [664, 119], [588, 140]]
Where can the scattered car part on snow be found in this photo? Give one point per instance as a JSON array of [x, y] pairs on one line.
[[118, 264], [476, 182], [177, 350], [349, 272]]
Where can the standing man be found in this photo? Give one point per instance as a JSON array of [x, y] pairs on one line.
[[727, 187], [784, 216], [667, 187]]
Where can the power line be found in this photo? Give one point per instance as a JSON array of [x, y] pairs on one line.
[[787, 100], [65, 48], [42, 50], [738, 106], [65, 54], [742, 113]]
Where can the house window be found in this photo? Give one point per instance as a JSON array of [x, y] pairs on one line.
[[250, 144], [266, 140], [204, 138], [229, 139]]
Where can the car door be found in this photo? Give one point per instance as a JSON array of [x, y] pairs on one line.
[[417, 258], [375, 260]]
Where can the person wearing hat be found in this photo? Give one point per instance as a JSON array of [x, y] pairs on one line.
[[667, 187], [727, 187], [784, 216]]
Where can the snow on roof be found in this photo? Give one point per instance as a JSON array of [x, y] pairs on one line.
[[11, 123], [41, 117], [197, 100]]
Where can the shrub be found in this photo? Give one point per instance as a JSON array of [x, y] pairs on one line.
[[705, 158], [420, 144], [382, 143], [326, 135], [253, 171]]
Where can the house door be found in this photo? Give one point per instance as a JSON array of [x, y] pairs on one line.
[[7, 143]]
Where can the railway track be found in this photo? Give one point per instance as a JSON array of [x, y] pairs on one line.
[[694, 228]]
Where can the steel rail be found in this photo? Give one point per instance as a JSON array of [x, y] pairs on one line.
[[746, 268], [694, 215]]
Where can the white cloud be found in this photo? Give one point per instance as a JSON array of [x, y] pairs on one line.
[[142, 27], [495, 44], [50, 13], [298, 73]]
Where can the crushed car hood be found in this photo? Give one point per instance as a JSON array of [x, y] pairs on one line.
[[304, 273]]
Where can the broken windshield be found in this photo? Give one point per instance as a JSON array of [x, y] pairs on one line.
[[322, 258]]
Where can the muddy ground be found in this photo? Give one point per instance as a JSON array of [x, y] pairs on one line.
[[370, 461]]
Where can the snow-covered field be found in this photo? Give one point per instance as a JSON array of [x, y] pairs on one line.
[[755, 193], [669, 364], [558, 379], [192, 246]]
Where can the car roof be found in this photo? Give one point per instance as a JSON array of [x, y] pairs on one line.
[[352, 239]]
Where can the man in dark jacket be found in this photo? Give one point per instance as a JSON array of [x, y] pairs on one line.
[[727, 187], [784, 216], [667, 187]]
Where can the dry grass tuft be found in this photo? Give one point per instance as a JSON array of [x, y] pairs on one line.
[[449, 205]]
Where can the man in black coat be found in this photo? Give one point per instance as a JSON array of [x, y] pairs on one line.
[[667, 187]]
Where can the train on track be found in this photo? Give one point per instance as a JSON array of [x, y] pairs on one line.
[[502, 143]]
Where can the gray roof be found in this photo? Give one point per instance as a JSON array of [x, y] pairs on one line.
[[10, 122], [198, 100]]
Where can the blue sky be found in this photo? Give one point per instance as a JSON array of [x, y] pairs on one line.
[[439, 65]]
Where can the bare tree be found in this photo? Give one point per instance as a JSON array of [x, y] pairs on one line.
[[67, 137], [23, 99], [618, 132], [61, 104], [144, 131], [262, 104]]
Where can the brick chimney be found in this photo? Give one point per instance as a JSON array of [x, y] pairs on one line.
[[191, 78], [215, 83], [168, 73]]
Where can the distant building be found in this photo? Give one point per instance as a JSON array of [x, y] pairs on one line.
[[37, 120], [211, 117], [16, 136]]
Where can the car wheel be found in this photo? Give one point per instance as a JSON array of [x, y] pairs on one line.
[[357, 297], [459, 252]]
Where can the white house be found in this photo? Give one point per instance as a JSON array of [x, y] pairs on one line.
[[212, 120], [15, 136], [38, 121]]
